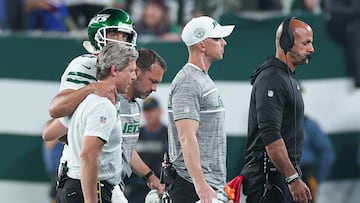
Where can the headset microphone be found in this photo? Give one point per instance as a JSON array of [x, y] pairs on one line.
[[302, 56]]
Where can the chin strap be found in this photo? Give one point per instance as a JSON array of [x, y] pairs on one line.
[[90, 48]]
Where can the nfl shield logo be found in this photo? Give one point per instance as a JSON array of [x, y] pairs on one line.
[[270, 93], [102, 120]]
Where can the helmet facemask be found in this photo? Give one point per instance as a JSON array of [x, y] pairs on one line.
[[101, 39]]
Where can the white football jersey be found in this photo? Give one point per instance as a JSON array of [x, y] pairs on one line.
[[80, 72]]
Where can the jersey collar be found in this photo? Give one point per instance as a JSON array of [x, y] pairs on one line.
[[196, 67]]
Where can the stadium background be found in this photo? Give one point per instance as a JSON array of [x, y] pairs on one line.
[[31, 67]]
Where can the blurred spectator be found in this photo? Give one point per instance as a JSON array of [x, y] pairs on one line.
[[15, 15], [122, 4], [81, 11], [270, 4], [318, 156], [151, 146], [312, 6], [215, 8], [156, 24], [2, 14], [46, 15], [52, 151], [344, 27]]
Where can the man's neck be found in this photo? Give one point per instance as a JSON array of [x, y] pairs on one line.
[[200, 61], [284, 58], [130, 94]]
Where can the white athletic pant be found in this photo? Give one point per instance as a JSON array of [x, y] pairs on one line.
[[118, 196]]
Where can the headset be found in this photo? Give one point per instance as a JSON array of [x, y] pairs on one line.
[[272, 191], [287, 38]]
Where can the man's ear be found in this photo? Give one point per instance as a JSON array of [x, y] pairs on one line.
[[201, 46], [138, 71], [113, 70]]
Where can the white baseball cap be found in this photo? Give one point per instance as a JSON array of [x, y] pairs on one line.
[[200, 28]]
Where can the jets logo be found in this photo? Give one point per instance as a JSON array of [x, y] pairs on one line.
[[100, 18], [220, 102], [214, 23], [199, 32]]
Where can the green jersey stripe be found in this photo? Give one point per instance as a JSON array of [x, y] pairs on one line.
[[78, 81], [82, 75]]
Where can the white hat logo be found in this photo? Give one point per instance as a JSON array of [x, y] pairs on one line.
[[199, 32]]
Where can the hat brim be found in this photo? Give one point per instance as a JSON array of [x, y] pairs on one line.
[[222, 31]]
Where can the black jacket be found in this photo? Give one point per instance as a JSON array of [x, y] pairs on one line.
[[276, 111]]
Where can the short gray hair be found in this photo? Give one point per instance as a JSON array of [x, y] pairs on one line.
[[114, 54]]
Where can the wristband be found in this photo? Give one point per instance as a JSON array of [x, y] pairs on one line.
[[292, 178], [148, 175]]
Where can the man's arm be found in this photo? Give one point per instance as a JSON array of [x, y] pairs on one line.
[[66, 101], [187, 129], [90, 152], [141, 169], [279, 156], [53, 130]]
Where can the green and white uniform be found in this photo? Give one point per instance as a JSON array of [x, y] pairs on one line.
[[130, 118]]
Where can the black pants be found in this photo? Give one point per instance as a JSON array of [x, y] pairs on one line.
[[277, 191], [70, 192], [183, 191]]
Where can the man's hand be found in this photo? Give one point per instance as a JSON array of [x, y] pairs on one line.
[[205, 192], [66, 101], [154, 184], [105, 90], [63, 139], [299, 191]]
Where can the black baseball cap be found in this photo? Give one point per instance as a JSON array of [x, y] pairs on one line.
[[150, 103]]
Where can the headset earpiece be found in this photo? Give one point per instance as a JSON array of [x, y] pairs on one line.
[[286, 38]]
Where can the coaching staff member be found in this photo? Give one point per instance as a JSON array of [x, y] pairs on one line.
[[276, 120], [197, 139]]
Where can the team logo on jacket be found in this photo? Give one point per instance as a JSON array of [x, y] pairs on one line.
[[186, 109], [270, 93], [102, 119]]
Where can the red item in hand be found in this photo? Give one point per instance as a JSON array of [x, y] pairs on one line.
[[233, 188]]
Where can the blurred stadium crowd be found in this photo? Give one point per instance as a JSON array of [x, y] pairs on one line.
[[155, 19], [162, 20]]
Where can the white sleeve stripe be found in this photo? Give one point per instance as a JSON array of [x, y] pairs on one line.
[[130, 115], [209, 111], [209, 92]]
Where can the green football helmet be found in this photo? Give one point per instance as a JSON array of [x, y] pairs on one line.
[[110, 19]]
